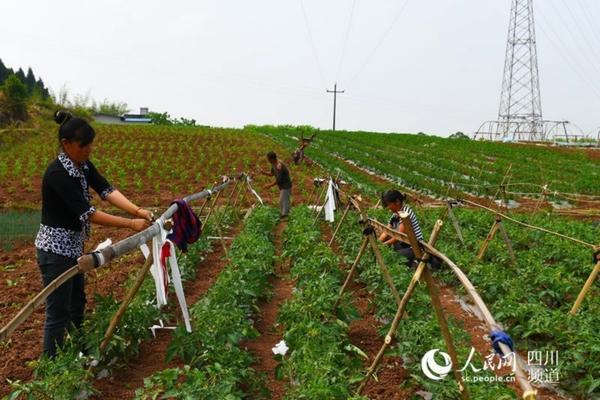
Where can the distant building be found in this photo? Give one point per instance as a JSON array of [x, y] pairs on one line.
[[141, 118]]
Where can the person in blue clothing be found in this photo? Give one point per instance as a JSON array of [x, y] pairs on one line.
[[395, 201]]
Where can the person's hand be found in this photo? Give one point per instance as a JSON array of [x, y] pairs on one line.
[[145, 214], [139, 224]]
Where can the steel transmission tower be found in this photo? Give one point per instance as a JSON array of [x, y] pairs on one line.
[[520, 114]]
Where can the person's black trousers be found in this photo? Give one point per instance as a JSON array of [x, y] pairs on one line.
[[406, 251], [66, 305]]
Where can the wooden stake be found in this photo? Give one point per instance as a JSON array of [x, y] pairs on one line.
[[401, 310], [125, 303], [363, 247], [384, 271], [210, 210], [455, 223], [437, 306], [39, 299], [319, 199], [487, 240], [585, 289], [507, 242], [339, 225]]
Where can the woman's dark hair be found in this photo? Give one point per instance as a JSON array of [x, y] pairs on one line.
[[392, 196], [74, 129], [271, 156]]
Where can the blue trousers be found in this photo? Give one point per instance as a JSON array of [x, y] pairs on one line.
[[406, 251], [66, 305]]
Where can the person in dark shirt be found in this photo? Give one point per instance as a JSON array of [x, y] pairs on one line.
[[65, 225], [394, 201], [283, 181]]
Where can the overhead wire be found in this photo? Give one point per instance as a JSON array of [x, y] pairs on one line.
[[380, 41], [312, 42], [345, 42]]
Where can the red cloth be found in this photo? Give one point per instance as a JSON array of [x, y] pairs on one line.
[[165, 252]]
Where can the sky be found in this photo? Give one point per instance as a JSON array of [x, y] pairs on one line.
[[432, 66]]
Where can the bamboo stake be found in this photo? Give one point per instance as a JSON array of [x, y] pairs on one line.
[[384, 271], [363, 247], [400, 311], [507, 242], [237, 196], [210, 210], [437, 306], [455, 223], [319, 199], [39, 299], [125, 303], [586, 288], [487, 240], [339, 225]]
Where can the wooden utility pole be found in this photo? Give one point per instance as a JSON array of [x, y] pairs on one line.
[[335, 92]]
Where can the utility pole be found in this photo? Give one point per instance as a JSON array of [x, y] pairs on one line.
[[335, 92]]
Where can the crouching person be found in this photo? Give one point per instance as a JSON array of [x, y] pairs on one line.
[[394, 201]]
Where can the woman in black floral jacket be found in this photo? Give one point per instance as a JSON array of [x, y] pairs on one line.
[[66, 217]]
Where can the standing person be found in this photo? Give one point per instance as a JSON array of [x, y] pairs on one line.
[[66, 217], [283, 181], [394, 201]]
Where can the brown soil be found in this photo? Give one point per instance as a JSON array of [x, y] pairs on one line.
[[270, 332]]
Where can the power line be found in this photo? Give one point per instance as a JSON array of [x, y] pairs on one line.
[[345, 43], [381, 40], [312, 42], [570, 60]]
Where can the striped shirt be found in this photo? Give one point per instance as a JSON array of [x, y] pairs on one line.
[[396, 220]]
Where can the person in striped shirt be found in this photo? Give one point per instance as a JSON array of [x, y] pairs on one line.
[[394, 201]]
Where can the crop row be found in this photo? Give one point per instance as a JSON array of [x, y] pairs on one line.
[[322, 363], [215, 365]]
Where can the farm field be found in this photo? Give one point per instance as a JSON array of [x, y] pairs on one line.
[[439, 167], [284, 272]]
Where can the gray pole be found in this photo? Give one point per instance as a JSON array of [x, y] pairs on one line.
[[335, 92]]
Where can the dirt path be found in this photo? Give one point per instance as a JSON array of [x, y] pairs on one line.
[[364, 334], [270, 332]]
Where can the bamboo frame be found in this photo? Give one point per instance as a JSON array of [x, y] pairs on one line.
[[87, 262], [399, 313], [528, 392]]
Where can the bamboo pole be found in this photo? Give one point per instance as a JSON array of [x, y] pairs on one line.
[[319, 199], [586, 288], [211, 209], [384, 270], [39, 299], [363, 247], [507, 242], [400, 311], [339, 225], [487, 240], [537, 228], [437, 306], [455, 223], [125, 303]]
